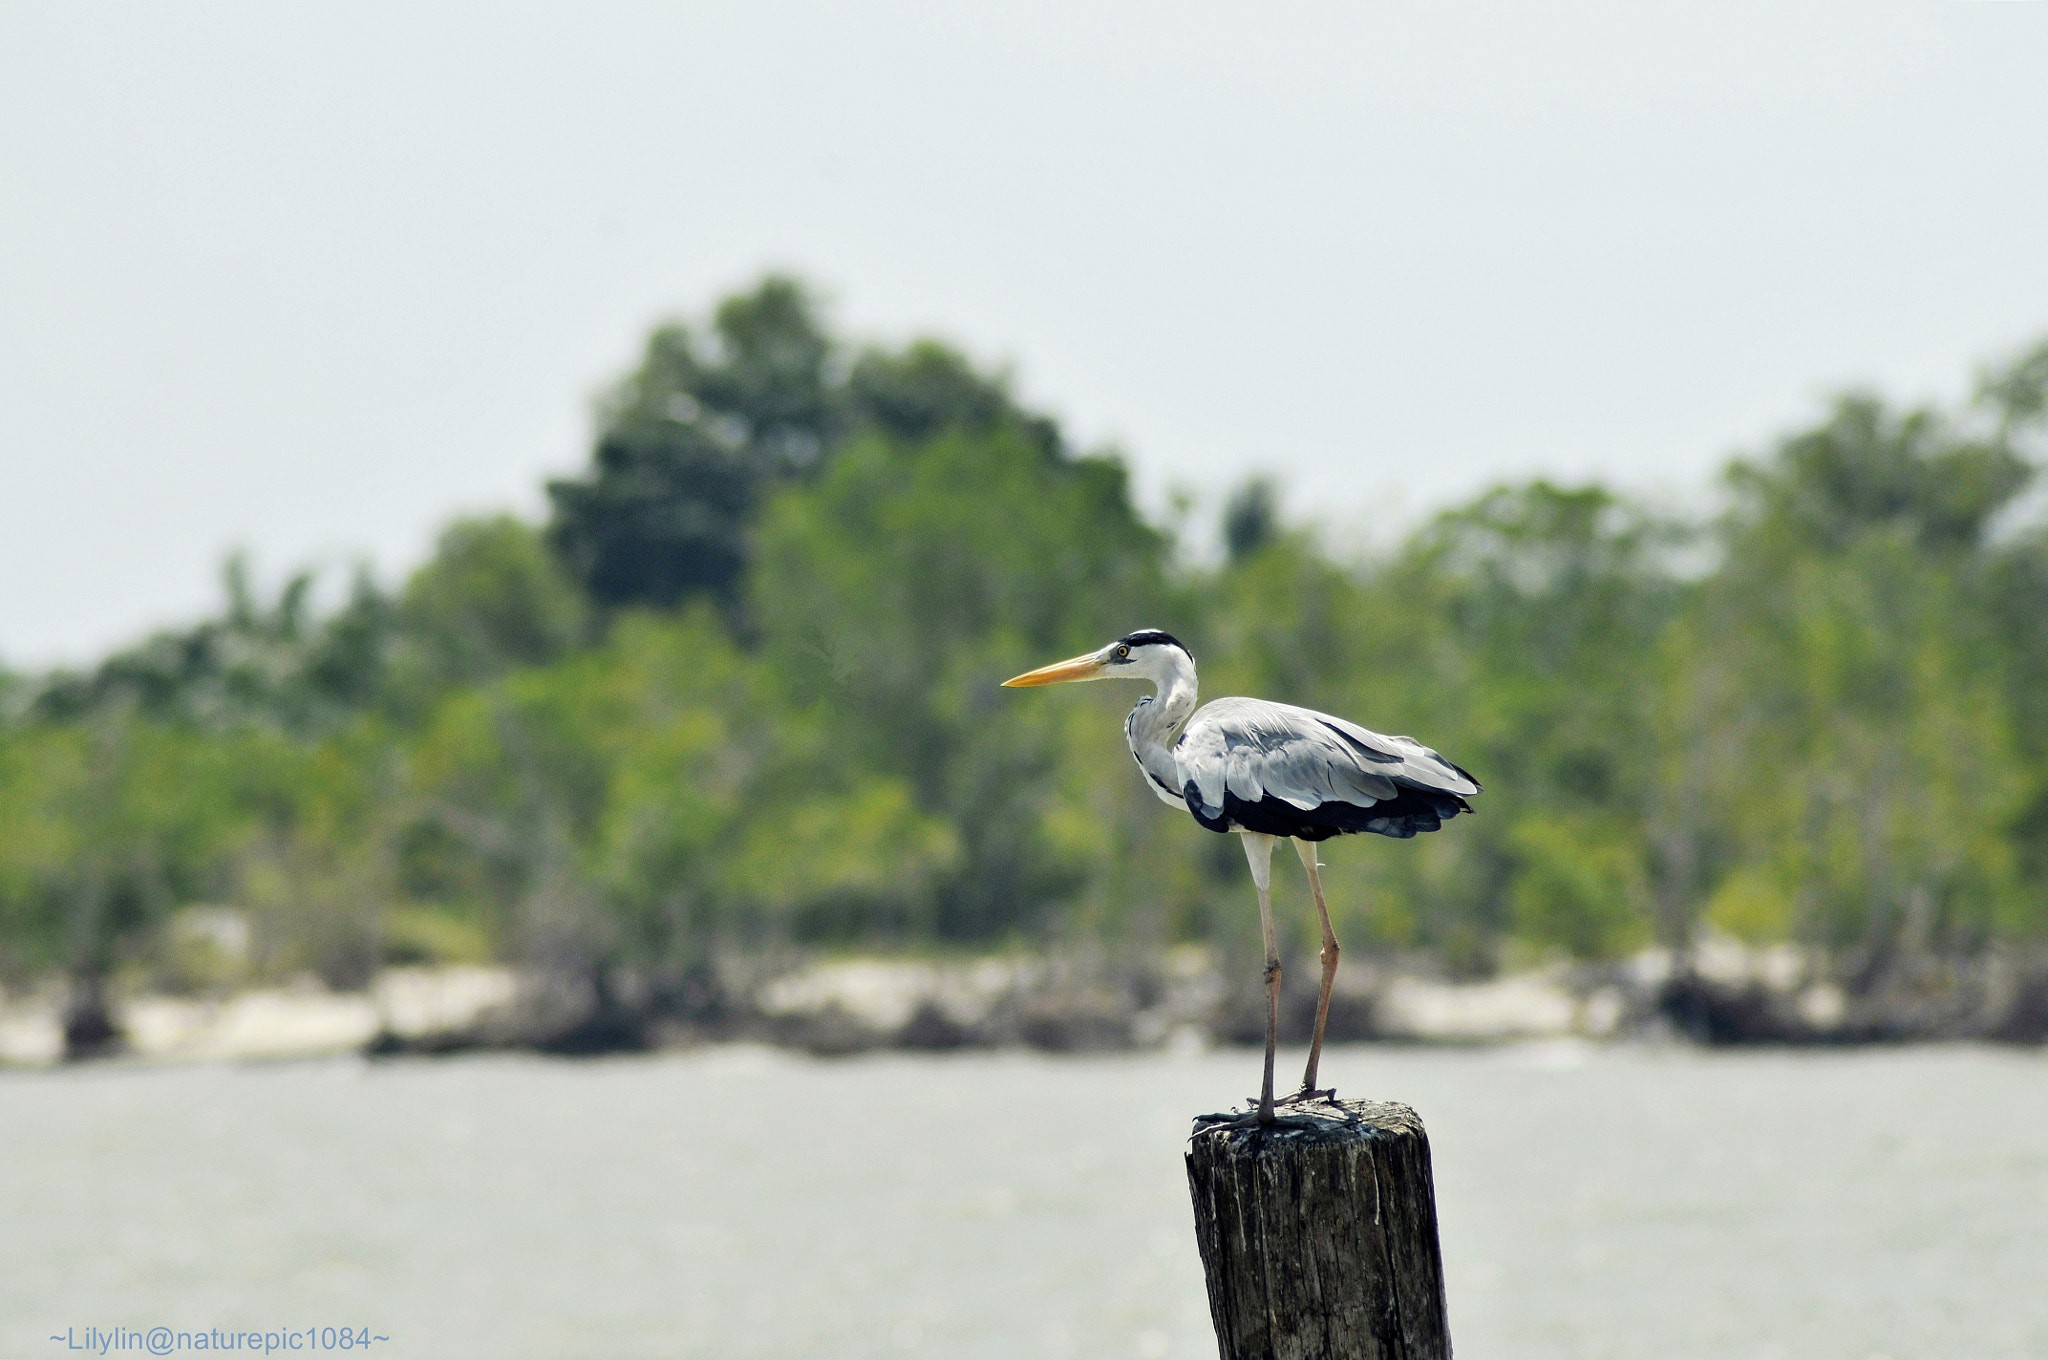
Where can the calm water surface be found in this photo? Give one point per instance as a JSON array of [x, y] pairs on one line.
[[743, 1203]]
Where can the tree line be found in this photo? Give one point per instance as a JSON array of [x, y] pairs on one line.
[[738, 693]]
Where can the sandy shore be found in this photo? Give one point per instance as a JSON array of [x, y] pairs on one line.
[[1187, 998]]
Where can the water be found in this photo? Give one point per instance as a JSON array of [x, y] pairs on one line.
[[742, 1203]]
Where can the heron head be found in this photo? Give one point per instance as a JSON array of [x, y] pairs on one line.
[[1147, 654]]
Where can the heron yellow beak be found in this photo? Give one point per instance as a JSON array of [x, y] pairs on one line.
[[1080, 668]]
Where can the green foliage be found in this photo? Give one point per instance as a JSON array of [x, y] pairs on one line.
[[928, 389], [693, 442], [1580, 883], [267, 663], [741, 691], [1844, 746], [107, 825], [1868, 470], [688, 446], [493, 599], [1251, 518], [907, 582]]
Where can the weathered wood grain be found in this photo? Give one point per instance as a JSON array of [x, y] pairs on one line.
[[1318, 1235]]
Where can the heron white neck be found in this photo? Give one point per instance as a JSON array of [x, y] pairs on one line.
[[1156, 723], [1174, 687]]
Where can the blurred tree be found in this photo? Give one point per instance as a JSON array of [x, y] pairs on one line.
[[1515, 634], [1251, 518], [108, 824], [690, 443], [741, 690], [772, 375], [249, 665], [929, 388], [346, 660], [1558, 597], [910, 579], [638, 805], [1850, 769], [687, 444], [2015, 598], [491, 600], [1867, 469], [2017, 391]]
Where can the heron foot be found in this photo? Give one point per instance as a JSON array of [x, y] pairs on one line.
[[1250, 1119], [1307, 1094]]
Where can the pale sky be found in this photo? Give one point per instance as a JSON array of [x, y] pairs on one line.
[[310, 279]]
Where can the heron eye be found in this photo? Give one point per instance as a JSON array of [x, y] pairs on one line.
[[1123, 651]]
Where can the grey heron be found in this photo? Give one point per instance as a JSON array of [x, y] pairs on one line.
[[1269, 772]]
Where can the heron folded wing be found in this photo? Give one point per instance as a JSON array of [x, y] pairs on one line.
[[1402, 757], [1312, 770], [1241, 772], [1252, 750], [1199, 760]]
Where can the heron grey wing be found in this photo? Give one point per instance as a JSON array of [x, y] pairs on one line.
[[1253, 749], [1404, 757], [1198, 759]]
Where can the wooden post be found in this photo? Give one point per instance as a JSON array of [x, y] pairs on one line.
[[1318, 1234]]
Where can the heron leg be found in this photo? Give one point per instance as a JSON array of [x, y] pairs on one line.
[[1258, 849], [1307, 851]]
